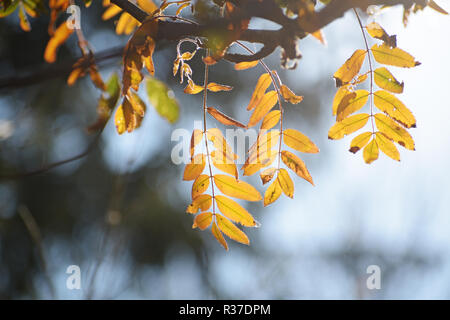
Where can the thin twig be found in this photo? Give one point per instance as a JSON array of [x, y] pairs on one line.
[[47, 167], [205, 135], [370, 68], [35, 234]]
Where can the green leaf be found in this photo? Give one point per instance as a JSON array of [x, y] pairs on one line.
[[162, 98]]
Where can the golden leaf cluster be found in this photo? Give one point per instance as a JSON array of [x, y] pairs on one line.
[[392, 123]]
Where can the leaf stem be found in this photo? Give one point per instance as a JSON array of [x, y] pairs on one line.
[[205, 94], [370, 68], [275, 85]]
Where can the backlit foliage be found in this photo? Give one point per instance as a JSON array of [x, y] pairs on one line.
[[392, 124], [367, 95]]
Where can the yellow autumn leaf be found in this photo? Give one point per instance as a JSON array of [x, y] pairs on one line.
[[234, 211], [267, 175], [23, 19], [385, 80], [196, 138], [60, 36], [218, 235], [202, 220], [245, 65], [371, 152], [137, 104], [231, 231], [348, 126], [289, 96], [264, 159], [209, 61], [186, 56], [377, 32], [394, 131], [320, 36], [272, 193], [195, 168], [360, 141], [193, 88], [119, 120], [223, 118], [393, 56], [215, 87], [350, 68], [259, 155], [351, 103], [286, 183], [263, 83], [298, 141], [176, 66], [126, 119], [126, 24], [360, 79], [263, 107], [202, 202], [111, 11], [387, 146], [222, 157], [74, 75], [271, 119], [297, 165], [264, 142], [236, 189], [200, 185], [340, 94], [148, 59], [220, 143], [223, 165], [391, 105]]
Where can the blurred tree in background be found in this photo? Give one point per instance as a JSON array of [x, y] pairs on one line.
[[114, 205]]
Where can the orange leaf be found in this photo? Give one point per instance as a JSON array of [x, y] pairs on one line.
[[286, 183], [196, 138], [195, 168], [236, 189], [263, 83], [193, 88], [271, 119], [223, 118], [200, 185], [264, 105], [235, 212], [267, 175], [289, 96], [202, 220], [350, 68], [233, 232], [218, 235], [59, 37], [297, 165], [298, 141], [272, 193], [245, 65], [215, 87], [202, 202]]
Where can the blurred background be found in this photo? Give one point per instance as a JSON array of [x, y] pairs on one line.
[[119, 212]]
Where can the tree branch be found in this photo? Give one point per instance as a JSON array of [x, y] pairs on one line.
[[285, 37]]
